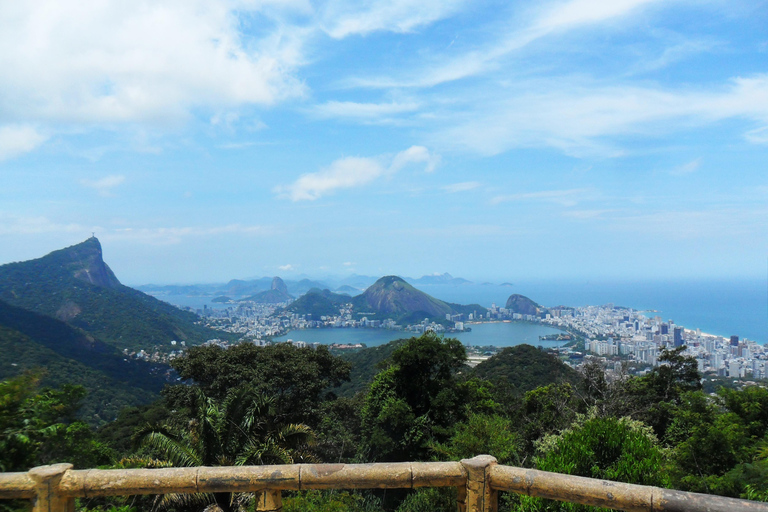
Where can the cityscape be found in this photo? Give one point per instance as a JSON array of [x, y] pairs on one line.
[[607, 332]]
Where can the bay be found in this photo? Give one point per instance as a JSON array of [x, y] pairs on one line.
[[500, 334]]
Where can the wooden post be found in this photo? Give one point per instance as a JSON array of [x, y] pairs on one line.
[[479, 496], [269, 501], [47, 479]]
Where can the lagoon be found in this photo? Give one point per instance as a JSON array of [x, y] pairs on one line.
[[500, 334]]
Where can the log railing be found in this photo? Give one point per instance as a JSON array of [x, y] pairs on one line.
[[478, 480]]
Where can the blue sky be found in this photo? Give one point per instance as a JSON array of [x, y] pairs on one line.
[[209, 140]]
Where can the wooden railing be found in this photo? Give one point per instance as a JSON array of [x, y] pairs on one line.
[[478, 480]]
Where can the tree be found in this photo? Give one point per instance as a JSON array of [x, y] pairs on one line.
[[483, 434], [415, 401], [37, 427], [622, 450], [653, 397], [546, 410], [239, 431], [298, 378]]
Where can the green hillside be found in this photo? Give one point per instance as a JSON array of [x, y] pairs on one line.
[[365, 366], [76, 286], [392, 297], [29, 341], [317, 303], [526, 368], [523, 305]]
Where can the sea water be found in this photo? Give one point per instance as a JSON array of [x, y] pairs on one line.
[[721, 307]]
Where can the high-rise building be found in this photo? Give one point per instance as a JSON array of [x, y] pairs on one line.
[[678, 336], [734, 341]]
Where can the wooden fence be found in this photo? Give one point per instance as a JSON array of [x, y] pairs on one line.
[[478, 480]]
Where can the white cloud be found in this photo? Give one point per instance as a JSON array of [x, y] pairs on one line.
[[570, 197], [346, 172], [18, 139], [578, 119], [555, 17], [176, 235], [11, 224], [104, 185], [343, 18], [564, 15], [287, 268], [461, 187], [352, 172], [415, 154], [758, 136], [362, 111], [687, 168], [145, 61]]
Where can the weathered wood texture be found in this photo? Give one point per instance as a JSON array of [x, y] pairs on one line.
[[53, 488], [615, 495], [479, 497]]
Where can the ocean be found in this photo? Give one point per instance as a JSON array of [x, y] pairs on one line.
[[721, 307]]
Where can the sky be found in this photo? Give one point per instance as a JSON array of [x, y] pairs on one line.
[[205, 140]]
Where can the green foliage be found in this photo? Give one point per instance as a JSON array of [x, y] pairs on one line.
[[118, 315], [652, 398], [296, 377], [415, 401], [37, 427], [525, 368], [243, 429], [483, 434], [317, 303], [29, 341], [439, 499], [365, 364], [546, 410], [330, 501], [718, 443], [622, 450]]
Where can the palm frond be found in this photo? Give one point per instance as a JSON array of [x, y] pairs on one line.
[[177, 452]]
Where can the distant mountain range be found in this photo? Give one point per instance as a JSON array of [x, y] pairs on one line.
[[238, 289]]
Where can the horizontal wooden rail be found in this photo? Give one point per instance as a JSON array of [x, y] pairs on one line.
[[53, 488], [616, 495]]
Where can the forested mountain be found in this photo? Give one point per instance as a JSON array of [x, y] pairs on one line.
[[76, 286], [523, 305], [317, 303], [63, 354], [392, 297], [525, 368]]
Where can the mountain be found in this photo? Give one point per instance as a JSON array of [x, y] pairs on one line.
[[303, 286], [345, 288], [66, 355], [76, 286], [317, 303], [277, 293], [240, 288], [392, 297], [526, 368], [523, 305], [445, 278]]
